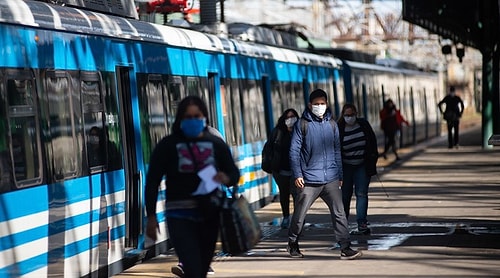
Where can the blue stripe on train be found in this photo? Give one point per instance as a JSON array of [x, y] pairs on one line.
[[40, 261], [58, 227], [57, 195], [24, 267]]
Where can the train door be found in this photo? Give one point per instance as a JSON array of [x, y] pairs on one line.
[[133, 176]]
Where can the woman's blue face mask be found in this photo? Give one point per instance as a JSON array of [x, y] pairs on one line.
[[193, 127]]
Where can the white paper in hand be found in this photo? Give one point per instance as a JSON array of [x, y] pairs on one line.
[[207, 184]]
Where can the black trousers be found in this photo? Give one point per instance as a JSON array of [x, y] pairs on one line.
[[452, 132]]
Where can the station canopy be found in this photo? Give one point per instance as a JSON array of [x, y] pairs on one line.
[[471, 23]]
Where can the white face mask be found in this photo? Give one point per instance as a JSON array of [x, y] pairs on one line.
[[350, 120], [290, 121], [319, 110]]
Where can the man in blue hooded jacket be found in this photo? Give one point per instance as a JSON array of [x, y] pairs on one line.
[[316, 163]]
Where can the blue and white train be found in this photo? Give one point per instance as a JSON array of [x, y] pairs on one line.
[[84, 97]]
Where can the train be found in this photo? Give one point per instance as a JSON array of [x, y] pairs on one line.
[[85, 96]]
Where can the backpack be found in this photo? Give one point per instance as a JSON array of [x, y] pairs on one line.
[[271, 153]]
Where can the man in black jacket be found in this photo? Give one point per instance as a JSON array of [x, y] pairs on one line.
[[452, 114]]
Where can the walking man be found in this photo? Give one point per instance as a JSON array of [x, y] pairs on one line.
[[452, 114], [316, 163]]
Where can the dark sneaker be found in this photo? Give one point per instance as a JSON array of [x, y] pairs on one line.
[[361, 231], [349, 254], [177, 270], [210, 270], [293, 249]]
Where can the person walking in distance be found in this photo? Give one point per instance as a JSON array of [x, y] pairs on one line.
[[316, 163], [192, 212], [281, 137], [359, 162], [452, 114], [391, 121]]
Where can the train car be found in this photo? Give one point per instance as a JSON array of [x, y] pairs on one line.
[[415, 93], [84, 98]]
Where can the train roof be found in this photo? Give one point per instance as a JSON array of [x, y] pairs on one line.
[[66, 19], [363, 57], [383, 68], [348, 54]]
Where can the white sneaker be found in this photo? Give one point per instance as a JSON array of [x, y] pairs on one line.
[[177, 270], [210, 270]]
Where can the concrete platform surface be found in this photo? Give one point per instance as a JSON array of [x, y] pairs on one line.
[[435, 213]]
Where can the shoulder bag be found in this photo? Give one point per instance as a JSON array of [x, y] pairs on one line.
[[239, 228]]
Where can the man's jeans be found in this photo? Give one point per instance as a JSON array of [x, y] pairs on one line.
[[355, 179]]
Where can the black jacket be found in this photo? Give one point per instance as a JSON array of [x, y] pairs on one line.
[[371, 148], [179, 159]]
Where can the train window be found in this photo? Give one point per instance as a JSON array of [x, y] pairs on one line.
[[154, 119], [284, 96], [279, 98], [193, 87], [232, 112], [64, 144], [206, 90], [339, 89], [93, 116], [21, 166], [174, 96], [19, 93], [372, 105], [156, 108], [208, 95], [297, 97], [100, 121], [253, 112], [111, 122]]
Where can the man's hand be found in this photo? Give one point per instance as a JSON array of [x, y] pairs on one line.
[[299, 182], [221, 177]]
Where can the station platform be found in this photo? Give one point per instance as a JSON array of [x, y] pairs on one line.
[[435, 213]]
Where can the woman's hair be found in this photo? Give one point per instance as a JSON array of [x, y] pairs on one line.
[[182, 108], [344, 108], [281, 120], [349, 106], [388, 102]]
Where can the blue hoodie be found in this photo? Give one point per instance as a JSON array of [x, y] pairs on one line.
[[316, 157]]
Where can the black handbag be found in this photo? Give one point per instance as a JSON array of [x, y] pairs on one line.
[[239, 228]]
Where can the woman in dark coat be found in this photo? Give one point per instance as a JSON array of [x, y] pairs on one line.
[[281, 137], [359, 162]]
